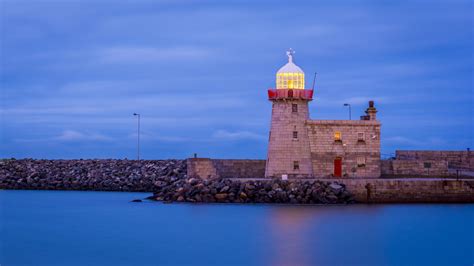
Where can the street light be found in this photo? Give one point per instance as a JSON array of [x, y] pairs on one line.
[[350, 111], [138, 136]]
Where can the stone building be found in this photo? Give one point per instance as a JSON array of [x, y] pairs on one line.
[[303, 148]]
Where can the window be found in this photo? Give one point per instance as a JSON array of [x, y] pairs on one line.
[[337, 136], [360, 161], [294, 108], [427, 165], [296, 165], [295, 134], [360, 136]]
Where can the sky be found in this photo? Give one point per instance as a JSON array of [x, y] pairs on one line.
[[72, 73]]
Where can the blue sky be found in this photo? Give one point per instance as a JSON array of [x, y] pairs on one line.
[[72, 73]]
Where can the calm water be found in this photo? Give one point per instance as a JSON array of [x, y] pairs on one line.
[[104, 228]]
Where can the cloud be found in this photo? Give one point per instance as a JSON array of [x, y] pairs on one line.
[[359, 100], [147, 136], [143, 54], [415, 143], [237, 135], [193, 69], [73, 135]]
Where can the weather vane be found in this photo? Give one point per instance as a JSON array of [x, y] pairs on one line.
[[290, 54]]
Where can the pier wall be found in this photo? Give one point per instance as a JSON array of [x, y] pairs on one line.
[[148, 176], [410, 190], [225, 168]]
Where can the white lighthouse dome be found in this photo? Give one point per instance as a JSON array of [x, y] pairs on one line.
[[290, 76]]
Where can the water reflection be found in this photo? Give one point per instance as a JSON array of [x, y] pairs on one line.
[[289, 226], [295, 231]]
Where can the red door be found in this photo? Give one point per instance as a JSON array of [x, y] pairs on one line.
[[338, 167]]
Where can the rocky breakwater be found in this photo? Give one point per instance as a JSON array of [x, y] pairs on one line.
[[170, 189], [106, 175]]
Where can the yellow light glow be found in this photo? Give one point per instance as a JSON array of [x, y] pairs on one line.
[[290, 80]]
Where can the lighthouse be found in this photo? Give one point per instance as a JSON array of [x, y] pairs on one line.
[[289, 154]]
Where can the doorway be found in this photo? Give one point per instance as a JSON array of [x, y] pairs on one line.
[[338, 167]]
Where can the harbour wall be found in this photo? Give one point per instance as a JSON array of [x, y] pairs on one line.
[[212, 168], [410, 190], [413, 163], [145, 175]]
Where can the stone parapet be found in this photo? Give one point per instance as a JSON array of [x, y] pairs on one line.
[[454, 159], [344, 122], [409, 190], [225, 168]]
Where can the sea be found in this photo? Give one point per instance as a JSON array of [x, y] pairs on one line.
[[106, 228]]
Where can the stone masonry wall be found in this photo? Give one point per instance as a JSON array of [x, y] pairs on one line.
[[289, 154], [201, 167], [409, 190], [455, 159], [428, 163], [410, 168], [240, 168], [210, 168], [360, 157]]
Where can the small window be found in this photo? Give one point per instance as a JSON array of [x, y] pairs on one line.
[[360, 161], [295, 134], [427, 165], [337, 136], [294, 108], [361, 136], [296, 165]]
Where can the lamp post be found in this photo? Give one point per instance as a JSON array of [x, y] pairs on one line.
[[350, 111], [138, 136]]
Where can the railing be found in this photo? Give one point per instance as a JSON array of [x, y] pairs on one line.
[[280, 94]]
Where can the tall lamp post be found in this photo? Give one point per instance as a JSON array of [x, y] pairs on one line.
[[350, 111], [138, 136]]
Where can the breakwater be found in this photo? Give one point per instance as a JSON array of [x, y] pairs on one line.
[[252, 191], [101, 175], [411, 190], [166, 178], [169, 180]]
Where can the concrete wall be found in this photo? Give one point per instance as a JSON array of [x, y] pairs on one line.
[[410, 190], [212, 168], [324, 148]]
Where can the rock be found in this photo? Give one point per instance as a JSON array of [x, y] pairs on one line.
[[136, 200], [335, 187], [332, 198], [160, 184], [221, 196]]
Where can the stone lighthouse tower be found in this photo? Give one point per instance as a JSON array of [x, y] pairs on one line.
[[289, 147]]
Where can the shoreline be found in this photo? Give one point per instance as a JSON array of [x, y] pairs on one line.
[[170, 175]]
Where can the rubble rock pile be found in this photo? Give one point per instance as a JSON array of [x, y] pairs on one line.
[[171, 189], [107, 175]]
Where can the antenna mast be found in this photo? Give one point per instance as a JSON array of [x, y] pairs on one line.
[[314, 80]]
